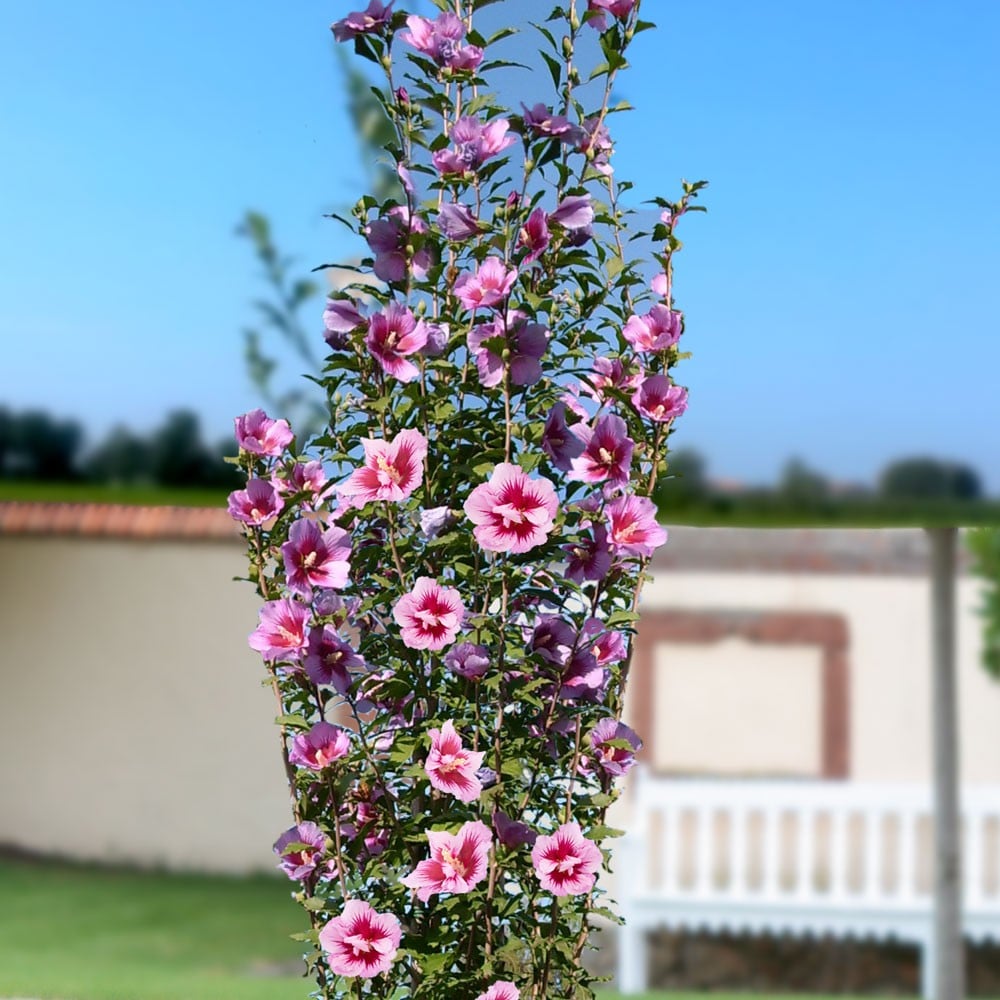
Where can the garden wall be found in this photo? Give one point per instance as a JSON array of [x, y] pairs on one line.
[[120, 638]]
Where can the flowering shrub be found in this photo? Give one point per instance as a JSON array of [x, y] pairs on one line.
[[451, 571]]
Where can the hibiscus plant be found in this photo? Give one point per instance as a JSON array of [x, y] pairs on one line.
[[451, 570]]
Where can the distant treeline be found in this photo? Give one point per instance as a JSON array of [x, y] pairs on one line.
[[905, 486], [34, 445]]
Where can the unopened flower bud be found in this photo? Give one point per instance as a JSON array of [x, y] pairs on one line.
[[402, 97]]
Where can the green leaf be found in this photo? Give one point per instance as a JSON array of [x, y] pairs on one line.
[[555, 68], [604, 832], [291, 722]]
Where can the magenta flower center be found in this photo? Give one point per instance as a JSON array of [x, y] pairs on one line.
[[454, 862], [389, 471], [360, 943], [510, 513], [452, 762], [430, 618], [564, 860]]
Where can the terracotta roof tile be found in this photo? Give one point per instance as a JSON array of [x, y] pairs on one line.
[[864, 551], [106, 520]]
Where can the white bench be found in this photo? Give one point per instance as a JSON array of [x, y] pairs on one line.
[[795, 857]]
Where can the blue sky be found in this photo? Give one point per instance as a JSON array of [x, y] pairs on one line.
[[839, 294]]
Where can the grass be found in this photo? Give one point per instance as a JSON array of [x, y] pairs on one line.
[[746, 512], [71, 932], [149, 496], [77, 933]]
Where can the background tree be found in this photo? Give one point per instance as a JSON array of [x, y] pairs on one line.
[[40, 446], [801, 486], [685, 483], [179, 457], [6, 437], [925, 478], [123, 457]]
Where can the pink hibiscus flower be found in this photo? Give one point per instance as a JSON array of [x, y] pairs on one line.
[[543, 121], [659, 329], [590, 557], [534, 235], [619, 8], [329, 660], [393, 334], [392, 469], [315, 558], [566, 863], [526, 343], [281, 633], [502, 990], [303, 477], [659, 400], [610, 373], [258, 503], [489, 286], [430, 615], [632, 526], [608, 646], [468, 660], [594, 140], [360, 942], [573, 212], [457, 222], [659, 285], [558, 440], [300, 850], [258, 434], [458, 861], [439, 39], [475, 143], [363, 22], [512, 513], [451, 767], [388, 238], [320, 747], [606, 739], [607, 454], [340, 318]]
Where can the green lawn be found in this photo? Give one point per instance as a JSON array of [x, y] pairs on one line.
[[82, 934], [745, 512], [78, 933], [152, 496]]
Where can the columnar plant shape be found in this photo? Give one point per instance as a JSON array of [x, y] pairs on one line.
[[451, 571]]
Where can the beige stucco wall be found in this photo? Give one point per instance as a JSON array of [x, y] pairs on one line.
[[133, 725], [888, 620], [737, 707], [132, 722]]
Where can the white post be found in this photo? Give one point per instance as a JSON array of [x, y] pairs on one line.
[[928, 967], [632, 957], [632, 859], [947, 949]]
